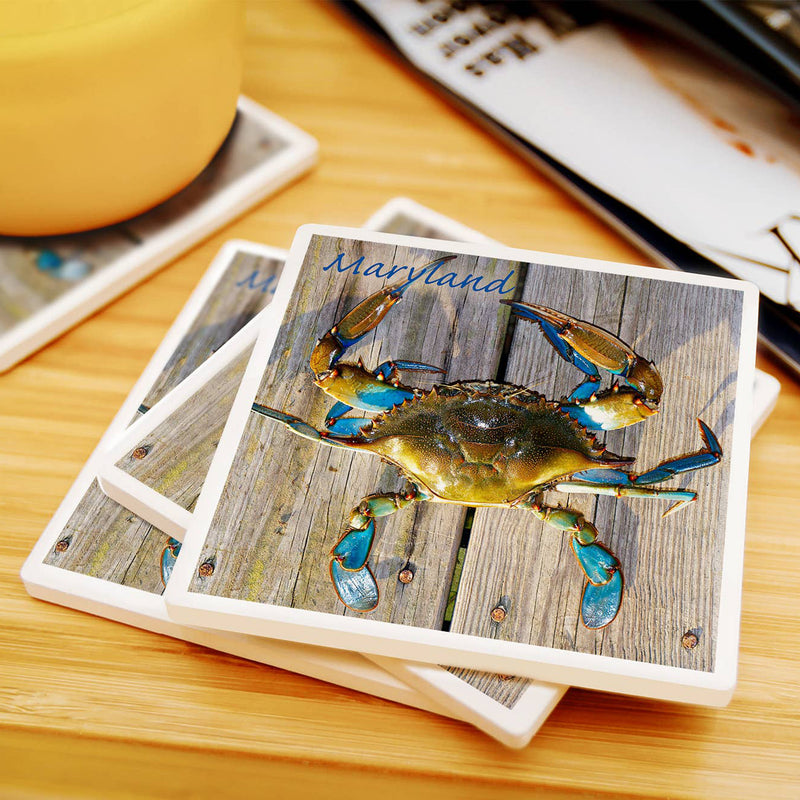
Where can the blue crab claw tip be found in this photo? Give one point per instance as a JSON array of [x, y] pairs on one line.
[[709, 438], [600, 604], [357, 590]]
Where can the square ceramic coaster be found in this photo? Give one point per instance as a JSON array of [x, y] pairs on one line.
[[287, 515], [47, 284]]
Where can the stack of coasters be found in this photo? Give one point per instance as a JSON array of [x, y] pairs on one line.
[[158, 466], [49, 283], [275, 547], [119, 568]]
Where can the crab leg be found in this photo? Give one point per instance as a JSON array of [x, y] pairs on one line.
[[589, 347], [351, 577], [625, 484], [298, 426], [602, 592], [352, 384], [682, 496], [707, 457]]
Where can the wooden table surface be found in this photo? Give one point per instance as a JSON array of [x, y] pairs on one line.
[[90, 708]]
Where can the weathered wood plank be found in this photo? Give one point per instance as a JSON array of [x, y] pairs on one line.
[[504, 689], [671, 565], [674, 565], [287, 500], [550, 376], [106, 541], [244, 289], [111, 543], [174, 458]]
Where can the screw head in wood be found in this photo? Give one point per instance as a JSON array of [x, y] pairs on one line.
[[140, 452], [689, 640], [206, 569], [405, 575], [498, 614], [62, 546]]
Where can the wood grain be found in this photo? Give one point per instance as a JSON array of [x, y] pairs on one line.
[[106, 541], [173, 459], [245, 288], [504, 689], [85, 702]]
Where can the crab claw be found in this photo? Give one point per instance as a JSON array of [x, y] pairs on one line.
[[710, 454], [597, 563], [352, 385], [351, 577], [358, 322], [614, 408], [589, 347], [602, 593]]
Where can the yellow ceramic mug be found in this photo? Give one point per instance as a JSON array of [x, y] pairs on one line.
[[109, 107]]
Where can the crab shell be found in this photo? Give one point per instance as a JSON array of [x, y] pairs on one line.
[[482, 443]]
